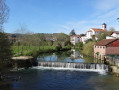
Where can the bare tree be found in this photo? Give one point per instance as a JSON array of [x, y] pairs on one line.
[[4, 13], [112, 29]]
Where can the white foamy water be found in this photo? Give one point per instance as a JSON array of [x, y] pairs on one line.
[[100, 68]]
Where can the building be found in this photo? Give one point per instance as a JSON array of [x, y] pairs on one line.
[[96, 31], [75, 39], [83, 39], [106, 47], [113, 35]]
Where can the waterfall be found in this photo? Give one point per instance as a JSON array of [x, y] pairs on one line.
[[80, 66]]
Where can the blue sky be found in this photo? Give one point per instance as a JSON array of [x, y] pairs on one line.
[[55, 16]]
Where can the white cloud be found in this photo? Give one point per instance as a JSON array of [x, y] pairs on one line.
[[109, 11], [105, 5]]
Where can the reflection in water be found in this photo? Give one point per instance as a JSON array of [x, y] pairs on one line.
[[22, 64], [114, 60], [75, 54], [38, 79], [68, 56]]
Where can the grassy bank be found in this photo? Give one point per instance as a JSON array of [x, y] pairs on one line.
[[35, 50]]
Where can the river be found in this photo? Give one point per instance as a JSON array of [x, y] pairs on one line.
[[59, 71]]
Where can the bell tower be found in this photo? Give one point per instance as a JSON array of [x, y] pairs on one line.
[[104, 26]]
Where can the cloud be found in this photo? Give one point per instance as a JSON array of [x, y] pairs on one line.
[[105, 5], [96, 22], [108, 12]]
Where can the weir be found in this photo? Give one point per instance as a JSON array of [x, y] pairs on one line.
[[81, 66]]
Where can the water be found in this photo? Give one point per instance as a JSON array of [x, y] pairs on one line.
[[37, 79], [63, 72]]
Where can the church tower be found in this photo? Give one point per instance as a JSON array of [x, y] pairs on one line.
[[104, 26]]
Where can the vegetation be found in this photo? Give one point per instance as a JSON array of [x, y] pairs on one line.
[[112, 29], [89, 49], [102, 36], [5, 47], [72, 32], [28, 43], [4, 13], [79, 45], [35, 50]]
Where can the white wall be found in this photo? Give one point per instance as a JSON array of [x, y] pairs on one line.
[[109, 37], [115, 35], [74, 39]]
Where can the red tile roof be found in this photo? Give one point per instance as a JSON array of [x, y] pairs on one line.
[[98, 30], [76, 36], [89, 31], [105, 42]]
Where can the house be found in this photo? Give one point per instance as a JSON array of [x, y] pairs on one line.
[[114, 35], [75, 39], [83, 39], [106, 47], [96, 31]]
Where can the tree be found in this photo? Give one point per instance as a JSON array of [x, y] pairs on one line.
[[112, 29], [79, 45], [82, 34], [5, 47], [63, 39], [72, 32], [4, 13], [103, 35]]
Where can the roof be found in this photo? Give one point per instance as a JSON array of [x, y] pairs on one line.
[[89, 31], [104, 24], [76, 35], [98, 30], [105, 42], [117, 32]]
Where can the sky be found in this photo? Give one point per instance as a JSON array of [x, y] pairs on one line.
[[56, 16]]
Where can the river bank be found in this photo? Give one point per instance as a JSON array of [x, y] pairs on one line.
[[34, 51]]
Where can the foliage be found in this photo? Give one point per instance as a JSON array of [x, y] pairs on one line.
[[82, 34], [35, 50], [89, 49], [58, 47], [103, 35], [79, 45], [93, 37], [63, 39], [72, 32], [89, 40], [112, 29], [5, 47], [4, 13]]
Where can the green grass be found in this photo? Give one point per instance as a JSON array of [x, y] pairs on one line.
[[35, 50]]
